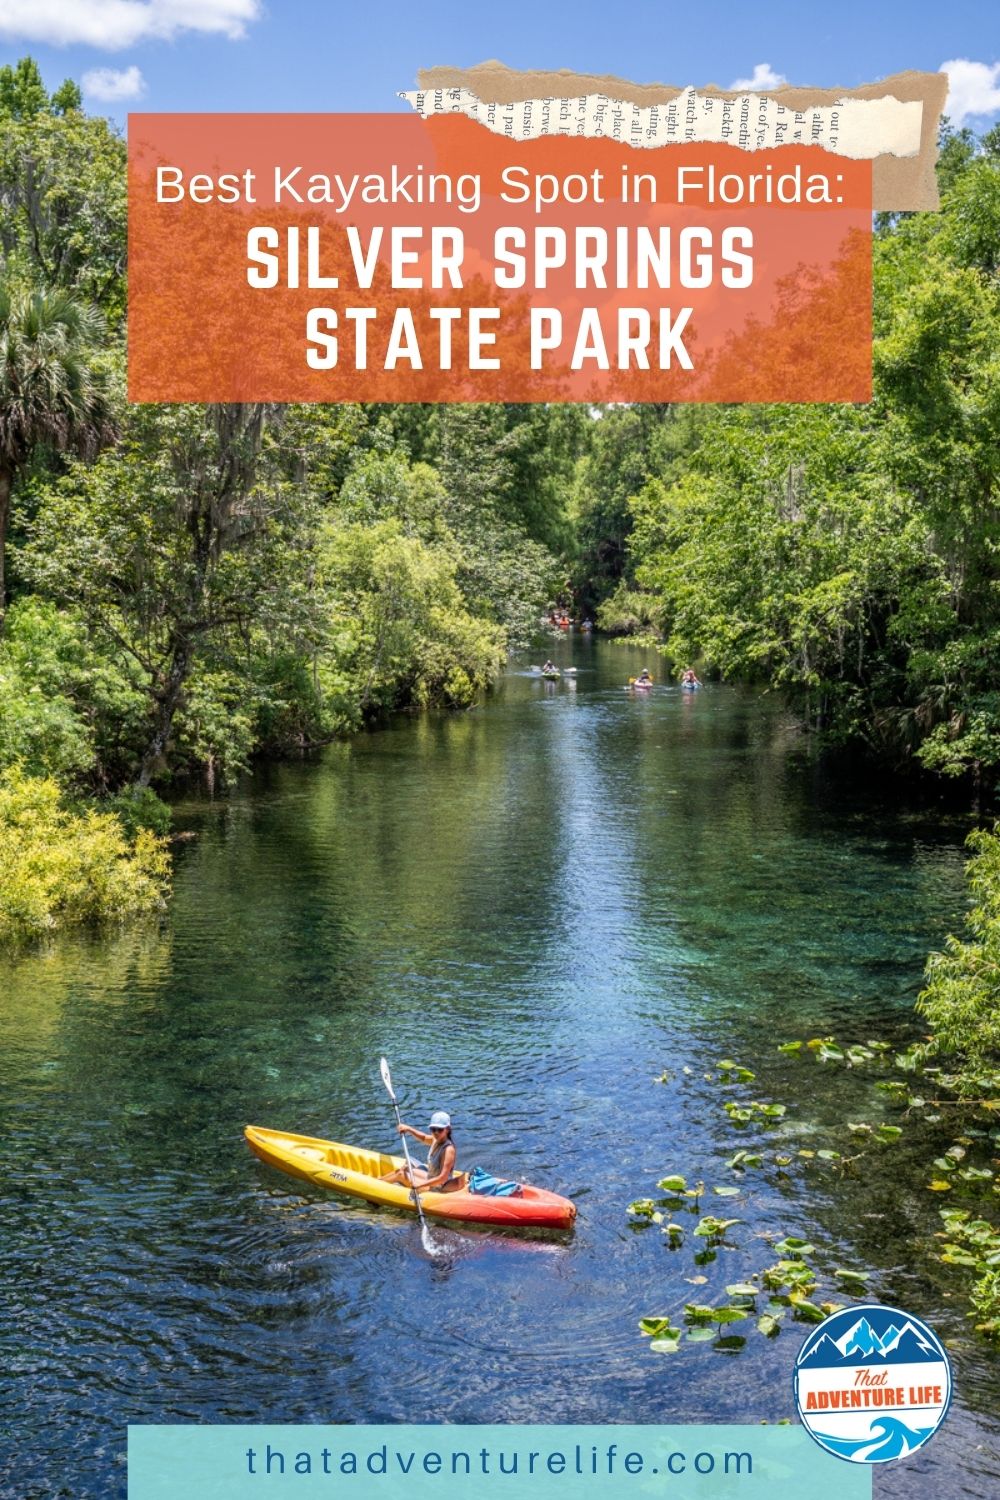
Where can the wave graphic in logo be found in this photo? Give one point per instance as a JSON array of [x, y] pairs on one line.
[[889, 1438]]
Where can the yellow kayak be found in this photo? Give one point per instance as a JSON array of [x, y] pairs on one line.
[[359, 1173]]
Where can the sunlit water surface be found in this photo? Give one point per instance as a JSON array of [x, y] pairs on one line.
[[533, 909]]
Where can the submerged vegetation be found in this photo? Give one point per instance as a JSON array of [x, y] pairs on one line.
[[185, 587], [945, 1091]]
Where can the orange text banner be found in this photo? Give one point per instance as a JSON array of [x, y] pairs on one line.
[[388, 258]]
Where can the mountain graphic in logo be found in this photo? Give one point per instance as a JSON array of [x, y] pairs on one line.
[[861, 1345]]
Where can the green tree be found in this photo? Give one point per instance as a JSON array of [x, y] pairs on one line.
[[63, 193], [23, 95], [66, 708], [397, 621], [179, 546], [51, 390], [503, 573]]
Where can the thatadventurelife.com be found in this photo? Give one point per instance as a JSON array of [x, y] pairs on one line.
[[579, 1462]]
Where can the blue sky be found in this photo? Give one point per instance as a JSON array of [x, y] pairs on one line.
[[311, 55]]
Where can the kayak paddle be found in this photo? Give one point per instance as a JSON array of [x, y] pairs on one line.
[[425, 1234]]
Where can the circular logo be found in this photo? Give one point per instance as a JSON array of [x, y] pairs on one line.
[[872, 1384]]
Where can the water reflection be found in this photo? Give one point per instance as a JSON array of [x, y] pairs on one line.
[[534, 910]]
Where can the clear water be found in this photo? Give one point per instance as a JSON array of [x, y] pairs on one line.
[[533, 909]]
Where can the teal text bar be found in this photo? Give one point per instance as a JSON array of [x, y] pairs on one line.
[[405, 1462]]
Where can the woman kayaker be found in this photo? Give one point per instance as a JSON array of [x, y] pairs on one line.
[[439, 1174], [688, 679], [644, 679]]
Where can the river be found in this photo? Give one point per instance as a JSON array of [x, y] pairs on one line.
[[536, 910]]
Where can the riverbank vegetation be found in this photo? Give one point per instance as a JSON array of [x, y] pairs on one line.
[[843, 554], [62, 866], [182, 587]]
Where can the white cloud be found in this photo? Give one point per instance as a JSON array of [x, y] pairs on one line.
[[973, 89], [764, 79], [113, 24], [113, 84]]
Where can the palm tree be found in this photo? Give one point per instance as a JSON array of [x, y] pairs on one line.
[[51, 393]]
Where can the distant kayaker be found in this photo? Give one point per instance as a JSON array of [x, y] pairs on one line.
[[439, 1174], [688, 679], [644, 676], [548, 666]]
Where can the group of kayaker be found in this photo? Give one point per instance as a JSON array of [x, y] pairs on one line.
[[689, 679]]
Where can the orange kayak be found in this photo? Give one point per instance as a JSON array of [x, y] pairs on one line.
[[359, 1173]]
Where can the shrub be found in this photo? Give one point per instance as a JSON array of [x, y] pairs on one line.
[[962, 997], [59, 867]]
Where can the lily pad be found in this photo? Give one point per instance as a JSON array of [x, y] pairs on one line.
[[730, 1314], [744, 1159], [710, 1226], [769, 1325], [952, 1255], [672, 1184], [794, 1248], [701, 1335], [808, 1312], [698, 1312]]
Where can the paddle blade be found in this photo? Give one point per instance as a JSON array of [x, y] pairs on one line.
[[387, 1078], [430, 1245]]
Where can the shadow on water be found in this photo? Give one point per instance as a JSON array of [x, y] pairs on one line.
[[535, 910]]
